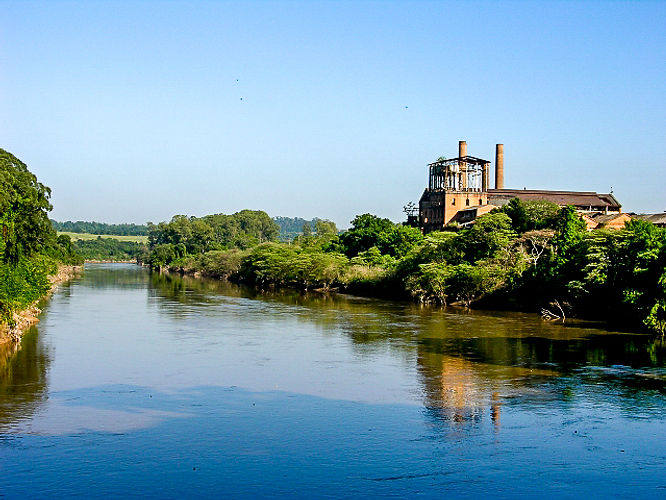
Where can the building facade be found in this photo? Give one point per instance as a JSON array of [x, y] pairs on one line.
[[459, 191], [453, 185]]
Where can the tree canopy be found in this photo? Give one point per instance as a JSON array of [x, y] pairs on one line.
[[100, 228], [24, 203], [29, 246], [194, 235]]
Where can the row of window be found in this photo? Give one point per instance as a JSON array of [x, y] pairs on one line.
[[438, 212], [453, 201]]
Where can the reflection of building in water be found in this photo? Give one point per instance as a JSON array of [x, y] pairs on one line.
[[461, 390], [458, 388]]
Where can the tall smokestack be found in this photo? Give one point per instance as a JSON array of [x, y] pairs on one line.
[[462, 149], [499, 166]]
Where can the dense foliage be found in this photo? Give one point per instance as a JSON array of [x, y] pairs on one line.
[[100, 228], [108, 249], [185, 235], [29, 247], [291, 227], [526, 255]]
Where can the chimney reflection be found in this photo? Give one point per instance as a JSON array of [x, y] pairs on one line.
[[464, 391], [459, 391]]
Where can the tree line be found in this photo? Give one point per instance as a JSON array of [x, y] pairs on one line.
[[30, 249], [532, 256], [100, 228], [108, 249], [289, 227]]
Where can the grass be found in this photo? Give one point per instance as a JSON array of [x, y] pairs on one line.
[[88, 236]]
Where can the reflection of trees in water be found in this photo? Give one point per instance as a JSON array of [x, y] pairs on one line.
[[468, 361], [189, 290], [121, 276], [497, 338], [23, 382], [466, 380]]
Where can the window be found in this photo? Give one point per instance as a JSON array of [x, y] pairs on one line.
[[453, 201], [480, 201], [467, 202]]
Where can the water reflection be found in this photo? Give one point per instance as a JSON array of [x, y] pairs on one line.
[[172, 386], [116, 276], [465, 366], [23, 381], [469, 363]]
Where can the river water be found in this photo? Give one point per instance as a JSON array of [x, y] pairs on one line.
[[144, 385]]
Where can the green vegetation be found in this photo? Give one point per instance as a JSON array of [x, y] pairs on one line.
[[109, 249], [30, 249], [100, 228], [291, 227], [88, 236], [526, 256], [184, 236]]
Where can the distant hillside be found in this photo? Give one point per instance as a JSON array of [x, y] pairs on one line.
[[100, 228]]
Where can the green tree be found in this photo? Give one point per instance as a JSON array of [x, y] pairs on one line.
[[540, 214], [29, 246], [162, 255], [569, 232], [369, 231], [366, 232], [530, 215], [325, 228], [515, 209], [24, 202], [491, 233], [258, 224], [399, 240], [202, 236]]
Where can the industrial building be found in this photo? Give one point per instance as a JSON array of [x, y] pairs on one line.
[[459, 191]]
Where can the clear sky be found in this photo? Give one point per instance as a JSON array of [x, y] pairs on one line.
[[135, 111]]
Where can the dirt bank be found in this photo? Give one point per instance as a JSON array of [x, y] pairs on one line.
[[27, 317]]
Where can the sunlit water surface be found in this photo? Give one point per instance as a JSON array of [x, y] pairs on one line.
[[143, 385]]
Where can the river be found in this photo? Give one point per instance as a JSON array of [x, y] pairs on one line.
[[136, 384]]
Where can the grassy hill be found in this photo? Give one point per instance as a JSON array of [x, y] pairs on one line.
[[88, 236]]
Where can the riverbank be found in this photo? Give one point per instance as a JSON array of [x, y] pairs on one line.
[[408, 381], [28, 317], [110, 261]]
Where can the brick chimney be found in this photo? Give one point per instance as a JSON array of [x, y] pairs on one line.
[[499, 166], [462, 149]]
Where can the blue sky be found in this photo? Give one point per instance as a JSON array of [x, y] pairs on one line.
[[136, 111]]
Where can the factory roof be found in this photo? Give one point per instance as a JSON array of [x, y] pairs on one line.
[[575, 198], [657, 219]]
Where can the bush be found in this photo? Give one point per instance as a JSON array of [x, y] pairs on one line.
[[22, 284], [221, 263], [108, 249]]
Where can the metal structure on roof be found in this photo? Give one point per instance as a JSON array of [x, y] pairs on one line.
[[465, 173]]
